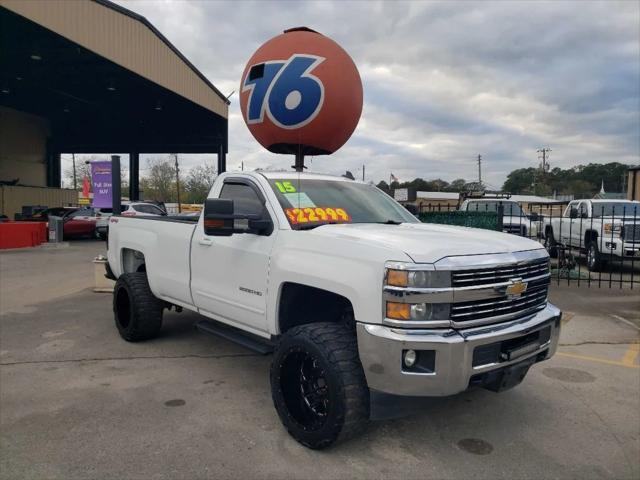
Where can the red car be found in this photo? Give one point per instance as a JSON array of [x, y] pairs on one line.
[[79, 222]]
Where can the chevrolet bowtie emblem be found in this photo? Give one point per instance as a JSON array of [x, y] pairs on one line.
[[516, 288]]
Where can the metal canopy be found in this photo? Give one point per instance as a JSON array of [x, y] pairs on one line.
[[95, 105]]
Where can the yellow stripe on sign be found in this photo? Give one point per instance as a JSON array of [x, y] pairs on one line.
[[597, 360], [631, 354]]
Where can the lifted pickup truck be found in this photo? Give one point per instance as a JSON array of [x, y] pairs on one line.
[[606, 230], [354, 294]]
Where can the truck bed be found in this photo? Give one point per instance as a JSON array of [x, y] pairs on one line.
[[165, 243]]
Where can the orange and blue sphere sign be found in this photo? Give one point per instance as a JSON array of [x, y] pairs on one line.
[[301, 93]]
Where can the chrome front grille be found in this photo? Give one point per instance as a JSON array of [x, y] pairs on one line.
[[488, 276], [482, 289], [631, 232], [488, 310], [534, 298]]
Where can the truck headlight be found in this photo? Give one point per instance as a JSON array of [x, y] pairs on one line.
[[418, 278], [417, 311], [612, 228]]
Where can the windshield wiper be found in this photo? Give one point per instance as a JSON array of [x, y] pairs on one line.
[[389, 222], [309, 227]]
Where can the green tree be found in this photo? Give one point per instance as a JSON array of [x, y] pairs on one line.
[[581, 179], [457, 185], [382, 185], [520, 181]]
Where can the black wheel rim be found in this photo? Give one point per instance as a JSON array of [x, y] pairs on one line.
[[305, 389]]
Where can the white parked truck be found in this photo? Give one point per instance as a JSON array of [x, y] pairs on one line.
[[353, 294], [514, 220], [606, 230]]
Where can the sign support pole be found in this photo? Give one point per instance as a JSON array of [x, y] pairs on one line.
[[299, 165], [115, 184]]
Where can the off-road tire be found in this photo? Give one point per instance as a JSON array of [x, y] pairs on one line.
[[594, 258], [137, 312], [550, 244], [334, 346]]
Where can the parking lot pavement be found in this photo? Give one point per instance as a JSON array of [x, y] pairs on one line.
[[78, 402], [36, 275]]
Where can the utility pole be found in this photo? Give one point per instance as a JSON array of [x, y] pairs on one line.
[[75, 182], [480, 171], [363, 172], [544, 152], [175, 155]]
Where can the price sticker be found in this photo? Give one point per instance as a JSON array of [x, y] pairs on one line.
[[302, 216]]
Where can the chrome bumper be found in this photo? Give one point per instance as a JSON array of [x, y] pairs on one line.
[[627, 250], [449, 368]]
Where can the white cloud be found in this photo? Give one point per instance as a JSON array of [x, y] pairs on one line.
[[443, 81]]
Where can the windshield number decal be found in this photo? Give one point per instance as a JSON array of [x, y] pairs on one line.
[[298, 216], [285, 187]]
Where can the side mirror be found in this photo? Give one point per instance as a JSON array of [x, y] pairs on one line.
[[411, 208], [534, 216], [221, 221]]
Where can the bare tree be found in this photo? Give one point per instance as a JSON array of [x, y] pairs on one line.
[[160, 183], [198, 183]]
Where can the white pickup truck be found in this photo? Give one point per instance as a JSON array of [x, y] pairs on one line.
[[607, 230], [353, 294], [514, 220]]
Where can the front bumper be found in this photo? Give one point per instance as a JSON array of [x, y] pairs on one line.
[[453, 360], [617, 248]]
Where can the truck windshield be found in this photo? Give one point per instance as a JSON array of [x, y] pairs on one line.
[[511, 209], [308, 203], [616, 209]]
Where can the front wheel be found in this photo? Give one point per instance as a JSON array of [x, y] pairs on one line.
[[594, 259], [318, 385]]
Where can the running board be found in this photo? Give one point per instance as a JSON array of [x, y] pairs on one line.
[[247, 340]]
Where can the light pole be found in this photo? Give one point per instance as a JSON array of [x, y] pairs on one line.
[[75, 182]]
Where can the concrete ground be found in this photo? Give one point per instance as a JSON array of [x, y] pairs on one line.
[[78, 402]]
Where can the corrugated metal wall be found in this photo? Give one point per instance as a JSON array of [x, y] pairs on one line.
[[123, 40], [12, 198]]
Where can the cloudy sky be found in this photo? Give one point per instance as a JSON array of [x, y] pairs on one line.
[[443, 81]]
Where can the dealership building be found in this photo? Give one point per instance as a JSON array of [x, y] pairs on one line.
[[89, 76]]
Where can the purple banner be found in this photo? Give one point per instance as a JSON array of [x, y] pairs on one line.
[[101, 183]]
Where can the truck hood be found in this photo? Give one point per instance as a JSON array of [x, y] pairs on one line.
[[428, 243]]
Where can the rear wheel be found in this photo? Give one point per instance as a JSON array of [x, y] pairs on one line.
[[318, 385], [138, 313]]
